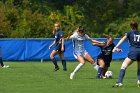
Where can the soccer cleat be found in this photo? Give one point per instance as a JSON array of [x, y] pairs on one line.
[[118, 85], [72, 75], [104, 77], [99, 77], [64, 69], [5, 66], [138, 83], [56, 68]]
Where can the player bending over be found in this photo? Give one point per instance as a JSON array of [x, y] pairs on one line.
[[105, 57], [59, 47], [134, 52], [79, 51]]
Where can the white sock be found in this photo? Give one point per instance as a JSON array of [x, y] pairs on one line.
[[79, 66], [95, 66]]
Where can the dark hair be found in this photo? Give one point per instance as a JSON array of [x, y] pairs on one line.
[[134, 25], [2, 36], [81, 29], [110, 37]]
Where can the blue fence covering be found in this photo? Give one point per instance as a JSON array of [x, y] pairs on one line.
[[37, 49]]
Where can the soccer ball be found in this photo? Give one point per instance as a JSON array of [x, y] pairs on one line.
[[108, 74]]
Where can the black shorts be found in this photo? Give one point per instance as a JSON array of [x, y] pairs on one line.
[[58, 48], [107, 59]]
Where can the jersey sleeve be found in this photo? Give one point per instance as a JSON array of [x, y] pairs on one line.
[[127, 34], [86, 36], [61, 35], [74, 36]]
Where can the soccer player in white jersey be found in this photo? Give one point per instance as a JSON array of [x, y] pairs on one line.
[[79, 51]]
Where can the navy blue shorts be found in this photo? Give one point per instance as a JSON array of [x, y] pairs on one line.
[[107, 59], [134, 55], [58, 48]]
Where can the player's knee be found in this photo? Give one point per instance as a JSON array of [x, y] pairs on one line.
[[51, 56], [102, 65], [124, 66], [83, 63]]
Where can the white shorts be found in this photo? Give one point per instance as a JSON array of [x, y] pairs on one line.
[[78, 53]]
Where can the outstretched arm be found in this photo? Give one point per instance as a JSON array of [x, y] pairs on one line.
[[119, 43], [119, 50], [68, 37], [97, 43]]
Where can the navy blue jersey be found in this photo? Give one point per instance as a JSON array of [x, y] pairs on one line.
[[134, 38], [106, 54], [58, 35], [107, 50]]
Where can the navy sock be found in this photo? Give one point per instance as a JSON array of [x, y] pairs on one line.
[[121, 76], [55, 62], [1, 62], [138, 73], [100, 69], [64, 64]]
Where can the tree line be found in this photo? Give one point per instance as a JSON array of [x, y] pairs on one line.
[[35, 18]]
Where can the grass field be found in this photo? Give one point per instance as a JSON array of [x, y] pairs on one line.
[[37, 77]]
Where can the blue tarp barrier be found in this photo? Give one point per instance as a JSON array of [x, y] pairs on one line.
[[37, 49]]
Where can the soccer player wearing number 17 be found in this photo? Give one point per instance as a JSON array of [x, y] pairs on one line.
[[133, 55]]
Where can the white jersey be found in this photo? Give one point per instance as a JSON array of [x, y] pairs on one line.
[[78, 42]]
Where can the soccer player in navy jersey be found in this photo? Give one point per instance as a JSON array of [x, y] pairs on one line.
[[134, 52], [105, 57], [59, 47]]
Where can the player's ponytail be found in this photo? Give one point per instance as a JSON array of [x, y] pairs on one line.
[[134, 25]]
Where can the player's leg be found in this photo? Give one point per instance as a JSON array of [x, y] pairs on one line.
[[54, 52], [107, 65], [1, 61], [101, 64], [89, 58], [138, 73], [105, 70], [124, 66], [78, 67], [63, 61]]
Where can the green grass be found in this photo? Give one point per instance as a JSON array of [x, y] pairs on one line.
[[36, 77]]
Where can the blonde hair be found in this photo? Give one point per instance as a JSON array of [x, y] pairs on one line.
[[58, 25]]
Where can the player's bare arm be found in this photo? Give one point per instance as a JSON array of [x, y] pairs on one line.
[[69, 34], [98, 44], [62, 45], [52, 44], [119, 43]]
